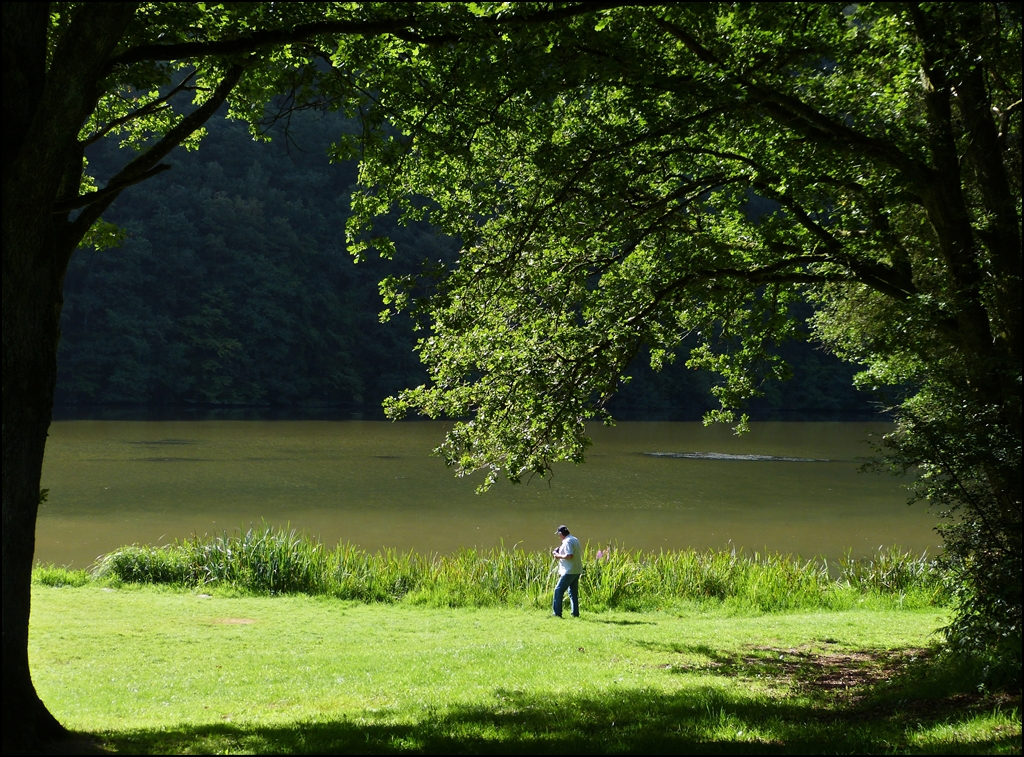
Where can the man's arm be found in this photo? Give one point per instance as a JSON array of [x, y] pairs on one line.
[[560, 554]]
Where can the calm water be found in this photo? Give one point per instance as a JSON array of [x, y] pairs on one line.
[[376, 485]]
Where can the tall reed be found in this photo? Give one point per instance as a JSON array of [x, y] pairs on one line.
[[269, 560]]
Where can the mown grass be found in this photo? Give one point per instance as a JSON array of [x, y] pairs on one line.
[[157, 669], [268, 560]]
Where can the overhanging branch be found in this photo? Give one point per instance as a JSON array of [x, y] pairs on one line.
[[150, 107], [110, 191], [404, 28], [145, 165], [793, 113]]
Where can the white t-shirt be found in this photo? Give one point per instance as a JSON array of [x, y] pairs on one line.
[[572, 564]]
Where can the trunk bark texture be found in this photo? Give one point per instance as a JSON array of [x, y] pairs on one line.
[[988, 305], [30, 335], [43, 112]]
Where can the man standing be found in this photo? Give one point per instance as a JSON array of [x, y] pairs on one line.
[[570, 566]]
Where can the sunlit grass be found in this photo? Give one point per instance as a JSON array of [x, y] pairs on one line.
[[153, 669], [267, 560], [54, 576]]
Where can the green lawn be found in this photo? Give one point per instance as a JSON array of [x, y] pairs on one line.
[[154, 670]]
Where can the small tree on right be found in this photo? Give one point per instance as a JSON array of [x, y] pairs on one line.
[[656, 175], [954, 442]]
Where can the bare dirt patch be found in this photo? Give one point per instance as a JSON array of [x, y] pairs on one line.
[[835, 673], [850, 682]]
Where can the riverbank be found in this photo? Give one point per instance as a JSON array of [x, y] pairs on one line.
[[156, 669], [276, 561]]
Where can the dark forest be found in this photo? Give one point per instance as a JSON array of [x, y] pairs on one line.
[[233, 289]]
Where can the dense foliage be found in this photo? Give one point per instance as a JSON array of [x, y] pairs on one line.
[[680, 176]]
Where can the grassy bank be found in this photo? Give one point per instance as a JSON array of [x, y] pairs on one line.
[[150, 669], [275, 561]]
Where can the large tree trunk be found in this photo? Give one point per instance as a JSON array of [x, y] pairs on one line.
[[989, 325], [43, 111], [30, 334]]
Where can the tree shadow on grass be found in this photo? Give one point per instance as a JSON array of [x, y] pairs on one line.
[[813, 669], [846, 680], [703, 719]]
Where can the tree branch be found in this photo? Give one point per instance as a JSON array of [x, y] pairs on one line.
[[145, 110], [399, 27], [110, 191], [791, 112], [257, 40], [144, 166], [776, 273]]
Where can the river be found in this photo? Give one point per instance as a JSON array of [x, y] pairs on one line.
[[788, 487]]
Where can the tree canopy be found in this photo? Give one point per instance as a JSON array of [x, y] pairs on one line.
[[682, 175]]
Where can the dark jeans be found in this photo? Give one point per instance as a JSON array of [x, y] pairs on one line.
[[570, 581]]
